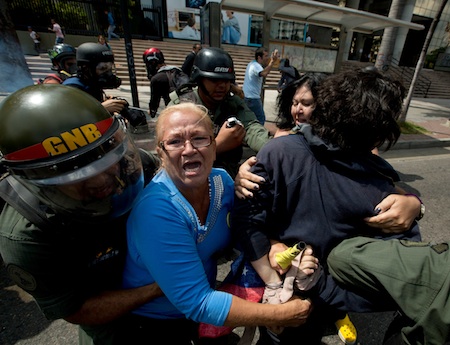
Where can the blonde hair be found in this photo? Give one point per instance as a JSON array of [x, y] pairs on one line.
[[185, 107]]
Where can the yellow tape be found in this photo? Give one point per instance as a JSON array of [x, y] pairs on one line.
[[285, 258]]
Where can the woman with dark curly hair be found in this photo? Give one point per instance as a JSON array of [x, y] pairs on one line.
[[321, 183], [297, 102], [361, 113]]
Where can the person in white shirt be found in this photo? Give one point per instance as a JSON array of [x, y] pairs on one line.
[[36, 40], [255, 73], [56, 28]]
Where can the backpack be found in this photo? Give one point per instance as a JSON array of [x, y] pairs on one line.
[[177, 78]]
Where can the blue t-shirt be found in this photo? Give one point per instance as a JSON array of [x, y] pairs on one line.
[[252, 80], [111, 19], [167, 244]]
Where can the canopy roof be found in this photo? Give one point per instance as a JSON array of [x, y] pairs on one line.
[[318, 13]]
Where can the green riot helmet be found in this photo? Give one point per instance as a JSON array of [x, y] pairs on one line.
[[65, 147], [63, 57], [214, 63]]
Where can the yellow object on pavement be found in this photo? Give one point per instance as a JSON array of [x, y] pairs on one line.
[[346, 330]]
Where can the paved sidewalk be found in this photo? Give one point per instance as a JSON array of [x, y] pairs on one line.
[[433, 115]]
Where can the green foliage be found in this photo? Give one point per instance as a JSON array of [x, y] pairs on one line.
[[411, 128], [63, 11], [430, 59], [75, 11]]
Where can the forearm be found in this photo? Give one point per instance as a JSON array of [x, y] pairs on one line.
[[110, 305], [244, 313], [265, 72], [226, 145], [256, 136], [265, 271]]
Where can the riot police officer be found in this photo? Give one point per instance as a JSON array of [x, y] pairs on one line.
[[213, 72], [95, 73], [72, 175], [64, 63]]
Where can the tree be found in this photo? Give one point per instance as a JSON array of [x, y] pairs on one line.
[[384, 56], [419, 65], [14, 69]]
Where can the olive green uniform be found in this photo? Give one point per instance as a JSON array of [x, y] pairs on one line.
[[62, 261], [415, 274]]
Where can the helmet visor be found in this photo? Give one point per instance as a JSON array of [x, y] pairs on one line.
[[106, 187], [104, 67]]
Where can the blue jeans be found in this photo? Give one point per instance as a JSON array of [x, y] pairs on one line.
[[111, 33], [255, 105], [59, 40], [230, 35]]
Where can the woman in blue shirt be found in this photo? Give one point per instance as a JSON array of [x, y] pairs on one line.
[[177, 229]]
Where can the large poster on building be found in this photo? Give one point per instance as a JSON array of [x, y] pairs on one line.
[[235, 27], [183, 21]]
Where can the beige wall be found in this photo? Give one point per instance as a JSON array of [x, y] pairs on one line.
[[48, 41]]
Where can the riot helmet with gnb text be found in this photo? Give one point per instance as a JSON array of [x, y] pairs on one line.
[[214, 63], [65, 147]]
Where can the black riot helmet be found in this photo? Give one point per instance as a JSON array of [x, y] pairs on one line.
[[96, 65], [62, 145], [213, 63], [59, 55], [93, 53]]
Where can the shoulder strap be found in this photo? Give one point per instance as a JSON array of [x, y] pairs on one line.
[[23, 201], [185, 93], [169, 74], [169, 68]]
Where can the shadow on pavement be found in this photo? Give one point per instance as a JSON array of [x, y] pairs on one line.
[[22, 322]]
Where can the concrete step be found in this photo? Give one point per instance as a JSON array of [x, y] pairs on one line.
[[39, 66]]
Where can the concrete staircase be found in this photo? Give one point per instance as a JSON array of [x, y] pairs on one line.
[[175, 52], [436, 84], [39, 66]]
